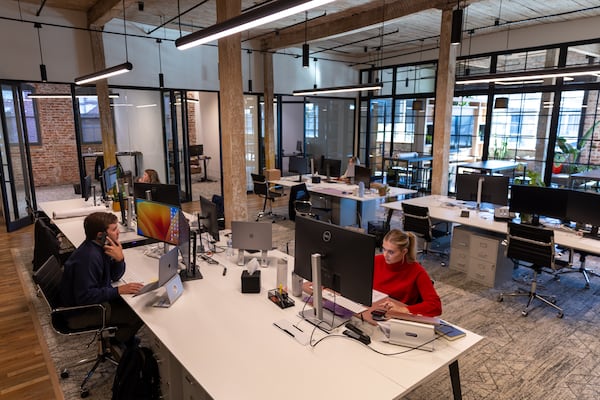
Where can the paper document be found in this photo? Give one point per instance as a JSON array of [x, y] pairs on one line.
[[77, 212]]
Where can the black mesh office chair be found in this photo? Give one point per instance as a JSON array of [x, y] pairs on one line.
[[300, 203], [261, 188], [47, 279], [532, 247], [416, 219]]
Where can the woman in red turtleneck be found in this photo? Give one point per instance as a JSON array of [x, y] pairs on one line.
[[398, 274]]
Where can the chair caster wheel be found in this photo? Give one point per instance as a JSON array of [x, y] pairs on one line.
[[64, 374], [524, 313], [553, 300], [84, 393], [500, 299], [560, 315]]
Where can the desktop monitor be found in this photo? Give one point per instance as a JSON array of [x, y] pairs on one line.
[[184, 241], [346, 261], [494, 189], [86, 190], [362, 174], [109, 178], [161, 192], [196, 150], [158, 221], [584, 208], [300, 166], [331, 167], [209, 218], [539, 201]]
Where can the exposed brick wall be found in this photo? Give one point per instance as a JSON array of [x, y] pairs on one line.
[[54, 162]]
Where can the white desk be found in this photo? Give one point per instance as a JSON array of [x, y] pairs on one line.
[[348, 207], [226, 341], [448, 209]]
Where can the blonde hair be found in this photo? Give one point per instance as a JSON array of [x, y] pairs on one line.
[[403, 240]]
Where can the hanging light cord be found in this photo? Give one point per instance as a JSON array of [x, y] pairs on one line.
[[125, 32]]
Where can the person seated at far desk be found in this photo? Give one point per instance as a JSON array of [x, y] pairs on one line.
[[399, 275], [89, 273], [349, 173], [150, 176]]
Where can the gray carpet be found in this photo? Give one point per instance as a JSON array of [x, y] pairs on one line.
[[533, 357]]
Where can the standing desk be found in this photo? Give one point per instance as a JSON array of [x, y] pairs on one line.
[[490, 167], [585, 176], [226, 342], [448, 209], [349, 209]]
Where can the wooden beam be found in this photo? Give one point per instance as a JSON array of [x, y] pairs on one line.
[[345, 21], [268, 110], [105, 10]]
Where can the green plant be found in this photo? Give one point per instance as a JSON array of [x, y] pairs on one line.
[[566, 153]]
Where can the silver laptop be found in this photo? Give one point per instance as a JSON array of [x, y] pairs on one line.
[[174, 290], [412, 334], [252, 236], [167, 267]]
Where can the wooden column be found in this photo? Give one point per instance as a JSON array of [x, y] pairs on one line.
[[444, 95], [269, 115], [109, 147], [232, 117]]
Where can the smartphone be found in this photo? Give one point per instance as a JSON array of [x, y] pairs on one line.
[[102, 238], [378, 314]]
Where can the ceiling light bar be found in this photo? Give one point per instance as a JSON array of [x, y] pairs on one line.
[[248, 20], [105, 73], [65, 96], [530, 75], [339, 89]]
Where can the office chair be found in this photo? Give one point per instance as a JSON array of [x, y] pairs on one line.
[[261, 188], [300, 202], [416, 219], [48, 278], [48, 241], [532, 247]]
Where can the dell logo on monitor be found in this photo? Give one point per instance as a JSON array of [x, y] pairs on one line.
[[326, 236]]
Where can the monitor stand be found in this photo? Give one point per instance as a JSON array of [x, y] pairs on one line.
[[300, 178], [318, 315], [193, 272], [264, 259], [593, 234]]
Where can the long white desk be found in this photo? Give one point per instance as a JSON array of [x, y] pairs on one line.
[[448, 209], [226, 341], [349, 208]]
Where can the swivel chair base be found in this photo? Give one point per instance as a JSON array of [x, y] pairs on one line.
[[533, 295], [582, 269]]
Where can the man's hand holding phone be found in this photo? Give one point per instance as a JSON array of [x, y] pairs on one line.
[[114, 249]]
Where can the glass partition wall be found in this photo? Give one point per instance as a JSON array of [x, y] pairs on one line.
[[548, 127]]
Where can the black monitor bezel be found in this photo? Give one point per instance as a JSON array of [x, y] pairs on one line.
[[583, 207], [353, 254], [209, 214], [362, 174], [86, 189], [335, 167], [539, 201], [160, 192], [494, 190], [299, 165]]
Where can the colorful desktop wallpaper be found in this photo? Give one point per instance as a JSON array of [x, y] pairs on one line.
[[158, 221]]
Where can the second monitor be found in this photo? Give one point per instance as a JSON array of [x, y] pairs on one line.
[[482, 188]]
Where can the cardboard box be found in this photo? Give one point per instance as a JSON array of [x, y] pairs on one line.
[[272, 174]]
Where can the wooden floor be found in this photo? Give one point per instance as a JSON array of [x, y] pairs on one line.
[[26, 369]]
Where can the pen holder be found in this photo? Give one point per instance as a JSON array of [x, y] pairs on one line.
[[280, 298], [250, 283]]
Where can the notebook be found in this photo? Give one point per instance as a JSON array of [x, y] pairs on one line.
[[167, 267]]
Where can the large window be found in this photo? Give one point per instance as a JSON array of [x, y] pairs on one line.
[[91, 131], [31, 122]]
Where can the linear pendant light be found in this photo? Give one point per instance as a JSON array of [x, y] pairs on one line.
[[338, 89], [248, 20], [516, 77], [65, 96]]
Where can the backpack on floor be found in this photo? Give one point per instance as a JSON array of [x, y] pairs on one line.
[[137, 376]]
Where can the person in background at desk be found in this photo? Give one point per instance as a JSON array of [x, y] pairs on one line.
[[89, 273], [399, 275], [352, 161], [150, 176]]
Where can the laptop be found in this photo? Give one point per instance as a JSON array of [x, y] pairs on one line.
[[167, 267], [252, 236], [412, 334], [174, 290]]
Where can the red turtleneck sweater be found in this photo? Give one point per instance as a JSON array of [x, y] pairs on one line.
[[408, 283]]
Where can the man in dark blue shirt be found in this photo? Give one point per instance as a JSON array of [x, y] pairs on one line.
[[89, 273]]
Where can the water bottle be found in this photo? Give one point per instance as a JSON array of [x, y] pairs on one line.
[[361, 189], [229, 252]]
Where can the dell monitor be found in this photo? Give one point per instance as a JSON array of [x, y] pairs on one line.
[[482, 188], [251, 236], [161, 192], [331, 167], [362, 174], [208, 219], [539, 201], [300, 166], [337, 258], [158, 221], [584, 208]]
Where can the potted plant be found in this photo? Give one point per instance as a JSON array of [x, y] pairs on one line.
[[567, 154]]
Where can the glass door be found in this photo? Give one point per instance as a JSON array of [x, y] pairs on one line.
[[176, 133], [18, 199]]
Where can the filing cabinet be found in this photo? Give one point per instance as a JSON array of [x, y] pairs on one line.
[[480, 254]]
